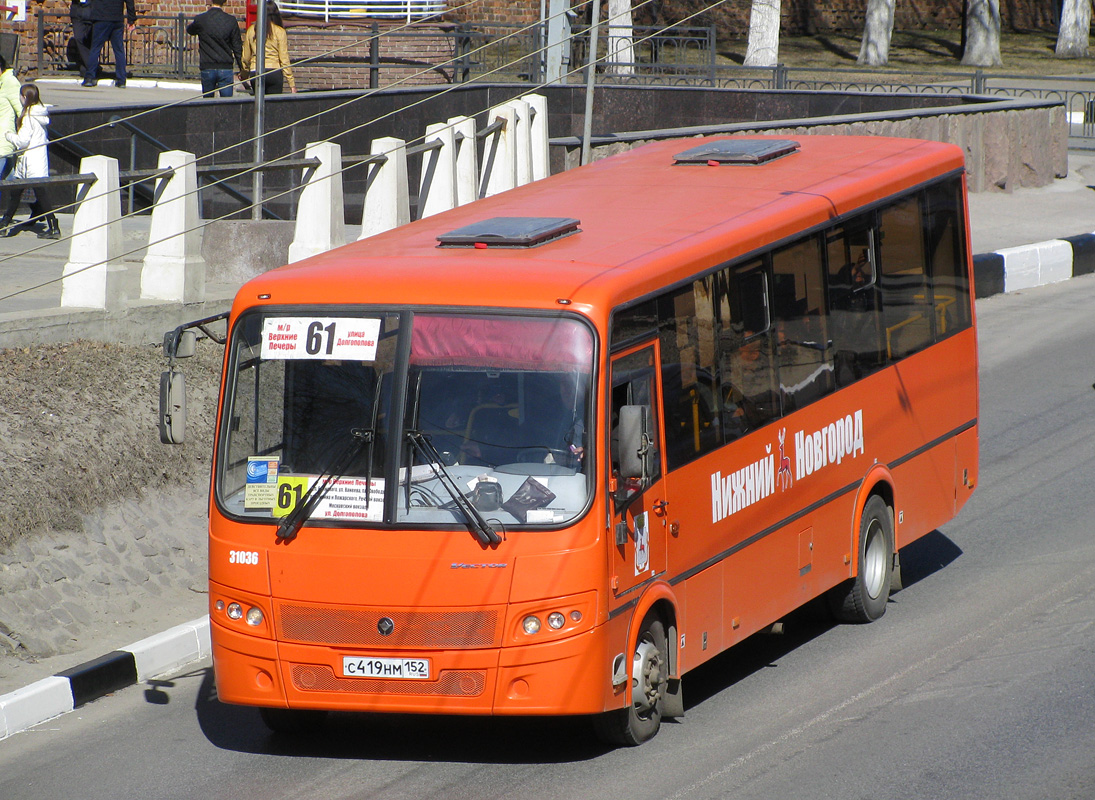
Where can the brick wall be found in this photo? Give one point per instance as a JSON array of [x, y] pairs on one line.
[[407, 57]]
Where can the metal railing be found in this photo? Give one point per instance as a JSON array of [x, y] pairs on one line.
[[158, 47], [327, 10]]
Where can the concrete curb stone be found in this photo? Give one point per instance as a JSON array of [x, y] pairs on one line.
[[1015, 268], [149, 658]]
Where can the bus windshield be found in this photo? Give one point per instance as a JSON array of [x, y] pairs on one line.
[[492, 407]]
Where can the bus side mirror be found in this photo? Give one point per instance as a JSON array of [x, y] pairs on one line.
[[180, 344], [172, 407], [636, 451]]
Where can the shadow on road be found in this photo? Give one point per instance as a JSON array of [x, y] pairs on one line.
[[402, 737], [926, 556], [535, 740]]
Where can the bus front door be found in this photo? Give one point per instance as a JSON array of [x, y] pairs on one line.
[[639, 503]]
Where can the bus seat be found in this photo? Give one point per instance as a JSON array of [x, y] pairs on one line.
[[493, 431]]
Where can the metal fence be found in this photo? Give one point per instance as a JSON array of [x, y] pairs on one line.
[[158, 47], [408, 10]]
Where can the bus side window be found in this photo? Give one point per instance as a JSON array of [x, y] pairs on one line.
[[686, 320], [943, 229], [907, 306], [747, 376], [799, 311], [854, 318]]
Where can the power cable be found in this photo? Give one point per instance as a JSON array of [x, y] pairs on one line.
[[286, 192]]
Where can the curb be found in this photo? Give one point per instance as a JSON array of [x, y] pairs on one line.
[[140, 83], [149, 658], [1027, 266]]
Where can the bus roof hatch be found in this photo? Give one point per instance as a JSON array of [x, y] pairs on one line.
[[737, 151], [510, 232]]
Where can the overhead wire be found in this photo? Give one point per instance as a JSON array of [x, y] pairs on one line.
[[333, 51], [278, 195], [366, 95], [291, 190]]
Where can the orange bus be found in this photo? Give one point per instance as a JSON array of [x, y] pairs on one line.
[[547, 452]]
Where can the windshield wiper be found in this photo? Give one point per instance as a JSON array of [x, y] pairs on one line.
[[478, 526], [359, 438]]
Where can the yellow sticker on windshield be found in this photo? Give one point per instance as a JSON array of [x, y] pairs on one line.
[[290, 490]]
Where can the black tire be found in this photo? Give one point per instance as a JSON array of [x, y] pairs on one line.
[[642, 718], [292, 722], [864, 598]]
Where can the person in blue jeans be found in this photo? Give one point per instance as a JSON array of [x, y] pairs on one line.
[[220, 46], [109, 22]]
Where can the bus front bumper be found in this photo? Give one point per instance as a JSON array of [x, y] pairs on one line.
[[563, 677]]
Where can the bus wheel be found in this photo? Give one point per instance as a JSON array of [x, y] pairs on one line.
[[649, 675], [864, 598], [292, 721]]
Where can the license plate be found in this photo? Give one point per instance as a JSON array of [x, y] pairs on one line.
[[417, 669]]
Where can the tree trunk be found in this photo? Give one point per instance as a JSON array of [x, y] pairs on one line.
[[874, 50], [982, 34], [1072, 36], [763, 47], [621, 48]]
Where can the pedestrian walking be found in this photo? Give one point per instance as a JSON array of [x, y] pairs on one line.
[[220, 49], [277, 69], [79, 13], [109, 22], [32, 162]]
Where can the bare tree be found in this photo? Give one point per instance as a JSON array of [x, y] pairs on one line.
[[982, 47], [1072, 35], [874, 50], [763, 47], [621, 45]]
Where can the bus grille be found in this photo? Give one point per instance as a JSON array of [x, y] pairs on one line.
[[451, 683], [358, 627]]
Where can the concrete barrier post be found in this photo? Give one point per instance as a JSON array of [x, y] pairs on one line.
[[437, 183], [537, 129], [92, 278], [499, 167], [522, 144], [174, 269], [387, 203], [321, 220], [467, 160]]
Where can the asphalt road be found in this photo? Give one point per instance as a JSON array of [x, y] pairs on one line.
[[979, 682]]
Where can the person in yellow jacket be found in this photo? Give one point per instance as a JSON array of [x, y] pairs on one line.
[[278, 72]]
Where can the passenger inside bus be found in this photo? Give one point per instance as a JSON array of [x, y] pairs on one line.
[[853, 300]]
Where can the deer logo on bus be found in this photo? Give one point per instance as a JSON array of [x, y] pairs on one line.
[[786, 480]]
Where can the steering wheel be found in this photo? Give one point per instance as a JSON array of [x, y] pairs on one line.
[[539, 454]]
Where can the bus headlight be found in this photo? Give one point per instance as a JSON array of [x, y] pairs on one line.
[[235, 611], [254, 616], [556, 620], [531, 624]]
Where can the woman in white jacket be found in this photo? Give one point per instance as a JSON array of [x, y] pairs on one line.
[[30, 138]]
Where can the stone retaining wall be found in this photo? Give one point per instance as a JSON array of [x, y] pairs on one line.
[[1008, 143]]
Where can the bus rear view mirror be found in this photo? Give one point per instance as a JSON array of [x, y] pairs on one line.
[[180, 344], [172, 407], [636, 452]]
